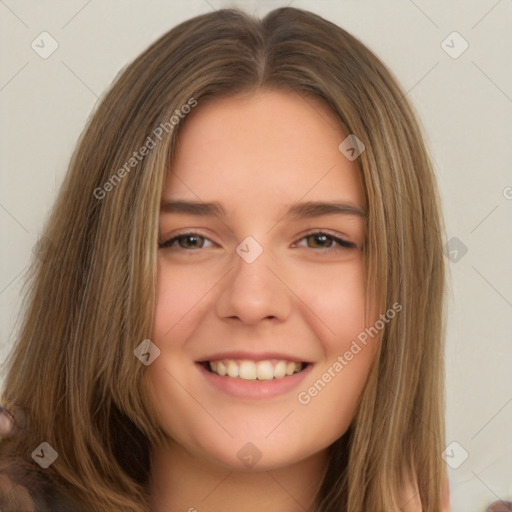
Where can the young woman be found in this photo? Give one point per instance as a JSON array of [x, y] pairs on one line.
[[237, 303]]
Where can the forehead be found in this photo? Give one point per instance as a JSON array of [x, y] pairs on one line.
[[275, 145]]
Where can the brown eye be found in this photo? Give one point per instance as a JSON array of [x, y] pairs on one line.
[[320, 240], [190, 241], [324, 241], [185, 241]]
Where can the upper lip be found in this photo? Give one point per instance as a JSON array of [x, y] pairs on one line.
[[251, 356]]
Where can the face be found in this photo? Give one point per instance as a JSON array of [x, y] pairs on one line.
[[260, 293]]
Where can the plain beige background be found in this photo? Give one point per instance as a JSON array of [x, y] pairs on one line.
[[464, 103]]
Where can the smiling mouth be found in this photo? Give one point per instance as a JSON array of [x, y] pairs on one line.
[[246, 369]]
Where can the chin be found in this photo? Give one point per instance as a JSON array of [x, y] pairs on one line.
[[261, 454]]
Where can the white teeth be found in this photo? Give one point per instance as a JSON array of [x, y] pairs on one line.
[[280, 369], [264, 370], [252, 370], [221, 369], [247, 370], [232, 369]]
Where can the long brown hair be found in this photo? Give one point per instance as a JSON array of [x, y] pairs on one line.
[[73, 380]]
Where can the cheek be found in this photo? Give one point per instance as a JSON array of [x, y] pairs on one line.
[[326, 307], [332, 393], [180, 294], [336, 296]]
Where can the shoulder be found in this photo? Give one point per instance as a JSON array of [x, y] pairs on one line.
[[446, 496], [411, 496], [14, 496]]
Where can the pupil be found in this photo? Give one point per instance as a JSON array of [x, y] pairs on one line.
[[321, 238], [191, 238]]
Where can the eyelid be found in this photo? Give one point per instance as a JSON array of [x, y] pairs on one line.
[[344, 243], [334, 234], [172, 238]]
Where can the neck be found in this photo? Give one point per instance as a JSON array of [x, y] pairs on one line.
[[182, 482]]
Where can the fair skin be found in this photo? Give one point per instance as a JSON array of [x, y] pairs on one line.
[[301, 300]]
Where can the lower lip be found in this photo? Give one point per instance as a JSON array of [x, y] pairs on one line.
[[241, 388]]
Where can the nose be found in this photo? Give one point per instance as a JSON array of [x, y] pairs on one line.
[[254, 291]]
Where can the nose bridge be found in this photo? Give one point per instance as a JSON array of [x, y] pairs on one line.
[[252, 291]]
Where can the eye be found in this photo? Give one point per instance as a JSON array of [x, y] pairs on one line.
[[323, 240], [189, 240], [319, 239]]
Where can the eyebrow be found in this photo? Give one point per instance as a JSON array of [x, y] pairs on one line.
[[303, 210]]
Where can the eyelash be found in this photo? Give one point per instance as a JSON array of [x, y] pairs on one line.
[[342, 244]]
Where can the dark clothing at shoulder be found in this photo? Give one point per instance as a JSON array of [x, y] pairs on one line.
[[17, 497]]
